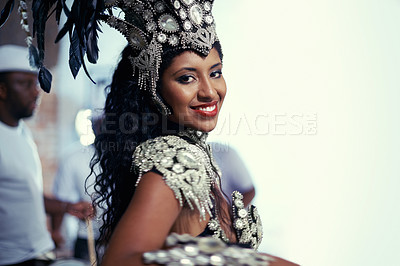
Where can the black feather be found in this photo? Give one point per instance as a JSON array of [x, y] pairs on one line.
[[35, 14], [45, 79], [5, 13], [92, 47], [59, 9], [34, 57], [40, 11], [82, 24], [75, 59], [66, 28], [91, 34], [85, 69], [65, 8]]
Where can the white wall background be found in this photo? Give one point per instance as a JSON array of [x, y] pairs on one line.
[[312, 107], [328, 194]]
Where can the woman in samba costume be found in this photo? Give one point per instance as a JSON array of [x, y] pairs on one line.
[[159, 186], [163, 179]]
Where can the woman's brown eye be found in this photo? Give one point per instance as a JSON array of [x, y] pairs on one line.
[[185, 79], [216, 74]]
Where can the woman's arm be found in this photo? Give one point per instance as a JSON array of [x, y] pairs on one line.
[[146, 223], [281, 262]]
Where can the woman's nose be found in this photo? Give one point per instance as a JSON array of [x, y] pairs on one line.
[[207, 90]]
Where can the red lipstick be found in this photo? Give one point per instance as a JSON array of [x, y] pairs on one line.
[[207, 110]]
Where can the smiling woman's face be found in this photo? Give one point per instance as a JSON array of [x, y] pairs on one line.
[[195, 89]]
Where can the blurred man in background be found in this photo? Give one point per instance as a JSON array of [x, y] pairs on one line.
[[24, 238]]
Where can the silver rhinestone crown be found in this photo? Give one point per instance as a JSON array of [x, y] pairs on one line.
[[151, 26]]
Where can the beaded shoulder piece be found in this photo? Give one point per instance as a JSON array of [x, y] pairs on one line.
[[186, 168]]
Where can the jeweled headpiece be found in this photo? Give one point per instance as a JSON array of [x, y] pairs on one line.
[[150, 26]]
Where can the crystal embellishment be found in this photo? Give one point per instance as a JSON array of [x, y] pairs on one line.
[[147, 15], [246, 222], [187, 25], [136, 40], [187, 2], [166, 162], [239, 224], [239, 203], [187, 159], [159, 7], [173, 40], [196, 14], [209, 19], [242, 213], [207, 6], [151, 26], [177, 5], [178, 168], [182, 14], [168, 23], [169, 152]]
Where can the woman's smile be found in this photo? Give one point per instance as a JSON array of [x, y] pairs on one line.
[[207, 110]]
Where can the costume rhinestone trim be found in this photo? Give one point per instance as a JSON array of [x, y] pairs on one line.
[[246, 222]]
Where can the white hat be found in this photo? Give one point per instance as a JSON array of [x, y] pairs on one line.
[[15, 58]]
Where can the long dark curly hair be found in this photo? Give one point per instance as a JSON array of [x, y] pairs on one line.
[[130, 119]]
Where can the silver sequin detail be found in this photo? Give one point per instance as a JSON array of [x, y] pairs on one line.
[[207, 6], [182, 14], [186, 169], [187, 2], [159, 7], [246, 222], [177, 5], [187, 25], [204, 251], [196, 14]]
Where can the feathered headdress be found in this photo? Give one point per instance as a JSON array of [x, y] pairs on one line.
[[148, 25]]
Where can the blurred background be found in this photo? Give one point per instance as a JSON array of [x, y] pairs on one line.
[[312, 108]]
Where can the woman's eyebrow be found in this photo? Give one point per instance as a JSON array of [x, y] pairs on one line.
[[216, 65], [185, 68]]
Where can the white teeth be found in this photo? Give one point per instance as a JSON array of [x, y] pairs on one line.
[[207, 109]]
